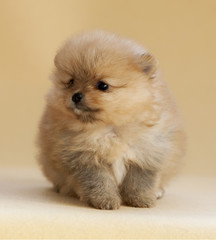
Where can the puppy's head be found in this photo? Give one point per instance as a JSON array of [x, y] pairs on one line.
[[101, 77]]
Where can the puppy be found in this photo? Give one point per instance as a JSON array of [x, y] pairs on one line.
[[111, 132]]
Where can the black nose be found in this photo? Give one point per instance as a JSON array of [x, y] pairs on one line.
[[77, 97]]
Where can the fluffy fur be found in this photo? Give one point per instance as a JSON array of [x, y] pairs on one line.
[[118, 145]]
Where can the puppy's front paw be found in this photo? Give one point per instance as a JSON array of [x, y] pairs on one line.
[[105, 202], [140, 200]]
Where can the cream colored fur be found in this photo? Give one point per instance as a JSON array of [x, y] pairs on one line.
[[135, 122]]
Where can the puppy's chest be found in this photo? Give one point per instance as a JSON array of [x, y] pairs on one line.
[[111, 145], [114, 149]]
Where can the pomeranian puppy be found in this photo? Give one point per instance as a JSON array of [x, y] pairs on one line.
[[111, 132]]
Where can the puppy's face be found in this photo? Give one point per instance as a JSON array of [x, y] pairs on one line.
[[98, 80]]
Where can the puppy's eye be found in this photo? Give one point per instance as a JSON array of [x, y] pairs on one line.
[[71, 83], [102, 86]]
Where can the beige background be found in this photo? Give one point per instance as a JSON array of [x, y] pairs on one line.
[[181, 34]]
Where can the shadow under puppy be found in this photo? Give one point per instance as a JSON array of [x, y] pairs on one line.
[[111, 131]]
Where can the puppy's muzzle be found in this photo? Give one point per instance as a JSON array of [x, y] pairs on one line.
[[77, 97], [79, 103]]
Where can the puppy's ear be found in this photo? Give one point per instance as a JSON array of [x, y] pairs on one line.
[[149, 64], [56, 60]]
